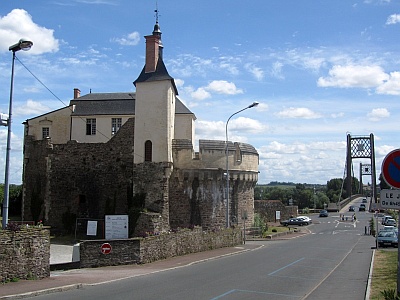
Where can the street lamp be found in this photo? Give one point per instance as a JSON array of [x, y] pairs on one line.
[[227, 160], [21, 45]]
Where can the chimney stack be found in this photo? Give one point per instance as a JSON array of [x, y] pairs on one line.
[[77, 93], [152, 52]]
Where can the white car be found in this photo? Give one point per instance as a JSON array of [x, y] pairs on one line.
[[390, 222], [305, 218]]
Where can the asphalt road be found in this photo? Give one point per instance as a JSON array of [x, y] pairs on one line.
[[332, 262]]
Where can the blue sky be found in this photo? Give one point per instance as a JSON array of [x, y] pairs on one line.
[[320, 69]]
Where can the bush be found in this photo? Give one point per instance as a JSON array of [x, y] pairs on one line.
[[274, 230], [390, 294]]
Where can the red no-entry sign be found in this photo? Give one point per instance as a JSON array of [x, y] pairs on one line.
[[391, 168], [106, 248]]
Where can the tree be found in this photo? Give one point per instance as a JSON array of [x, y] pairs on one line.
[[382, 183]]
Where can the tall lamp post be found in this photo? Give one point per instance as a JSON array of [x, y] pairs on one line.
[[227, 160], [21, 45]]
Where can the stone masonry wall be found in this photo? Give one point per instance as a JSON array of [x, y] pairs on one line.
[[267, 208], [85, 180], [150, 249], [197, 197], [24, 254]]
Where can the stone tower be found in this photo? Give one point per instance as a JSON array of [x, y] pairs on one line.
[[155, 106]]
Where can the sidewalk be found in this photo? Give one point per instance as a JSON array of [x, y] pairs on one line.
[[76, 278]]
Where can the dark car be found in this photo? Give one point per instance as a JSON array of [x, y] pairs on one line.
[[387, 238], [352, 208], [323, 213], [362, 207], [295, 221]]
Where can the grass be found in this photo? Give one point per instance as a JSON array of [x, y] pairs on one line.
[[384, 276]]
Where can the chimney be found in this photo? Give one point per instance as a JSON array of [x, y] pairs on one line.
[[152, 52], [77, 93]]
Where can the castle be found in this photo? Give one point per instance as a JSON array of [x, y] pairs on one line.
[[132, 154]]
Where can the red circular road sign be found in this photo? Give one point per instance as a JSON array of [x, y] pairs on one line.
[[106, 248], [391, 168]]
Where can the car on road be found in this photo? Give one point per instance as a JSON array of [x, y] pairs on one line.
[[352, 208], [362, 207], [295, 221], [390, 222], [387, 238], [364, 200], [323, 213]]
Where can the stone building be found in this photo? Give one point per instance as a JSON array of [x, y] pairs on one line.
[[132, 153]]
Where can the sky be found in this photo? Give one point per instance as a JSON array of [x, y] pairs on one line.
[[320, 70]]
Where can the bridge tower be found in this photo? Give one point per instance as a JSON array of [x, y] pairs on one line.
[[361, 147]]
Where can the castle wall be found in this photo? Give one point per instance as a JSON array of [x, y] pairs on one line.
[[89, 180], [197, 197], [63, 181]]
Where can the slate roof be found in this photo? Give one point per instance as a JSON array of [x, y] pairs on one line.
[[221, 146], [160, 73], [113, 104]]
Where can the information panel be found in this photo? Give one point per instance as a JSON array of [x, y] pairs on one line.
[[116, 227], [390, 199]]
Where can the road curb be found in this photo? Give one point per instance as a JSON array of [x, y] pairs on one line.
[[44, 292], [371, 269]]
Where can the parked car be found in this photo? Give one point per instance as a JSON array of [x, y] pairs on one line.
[[390, 222], [387, 238], [389, 228], [352, 208], [323, 213], [362, 207], [385, 218], [305, 218], [295, 221]]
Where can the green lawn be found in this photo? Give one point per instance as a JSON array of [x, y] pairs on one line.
[[384, 275]]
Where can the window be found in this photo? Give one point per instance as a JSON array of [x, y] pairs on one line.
[[45, 132], [90, 126], [148, 151], [116, 124]]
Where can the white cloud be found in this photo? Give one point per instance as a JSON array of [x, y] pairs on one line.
[[377, 114], [354, 76], [30, 108], [277, 70], [262, 107], [200, 94], [393, 19], [132, 39], [337, 115], [257, 72], [223, 87], [391, 86], [18, 24], [243, 124], [298, 112]]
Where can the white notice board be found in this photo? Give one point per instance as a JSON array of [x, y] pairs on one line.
[[91, 228], [116, 227]]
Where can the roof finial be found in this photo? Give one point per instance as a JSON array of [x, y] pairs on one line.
[[157, 30], [156, 11]]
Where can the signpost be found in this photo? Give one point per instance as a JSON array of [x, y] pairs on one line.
[[391, 169], [106, 248], [391, 198]]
